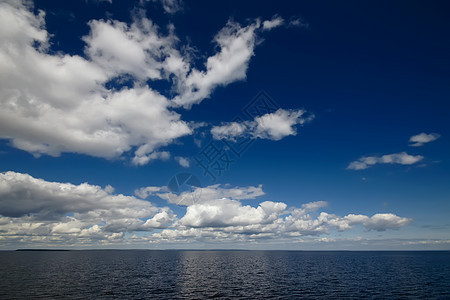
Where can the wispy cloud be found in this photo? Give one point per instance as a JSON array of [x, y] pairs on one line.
[[298, 23], [271, 126], [423, 138], [401, 158], [276, 21], [172, 6]]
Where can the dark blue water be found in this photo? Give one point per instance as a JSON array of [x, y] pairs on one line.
[[138, 274]]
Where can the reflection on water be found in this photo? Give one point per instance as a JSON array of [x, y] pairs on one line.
[[223, 274]]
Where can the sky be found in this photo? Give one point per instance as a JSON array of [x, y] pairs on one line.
[[170, 124]]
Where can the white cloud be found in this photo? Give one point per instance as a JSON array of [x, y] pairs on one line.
[[183, 161], [142, 158], [228, 65], [41, 91], [423, 138], [208, 194], [382, 222], [145, 192], [272, 126], [276, 21], [228, 131], [378, 222], [313, 206], [137, 49], [279, 124], [401, 158], [226, 212]]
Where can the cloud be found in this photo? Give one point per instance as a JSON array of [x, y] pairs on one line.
[[22, 194], [226, 212], [37, 211], [228, 220], [313, 206], [423, 138], [220, 207], [34, 207], [207, 194], [378, 222], [41, 90], [279, 124], [142, 158], [145, 192], [172, 6], [272, 126], [229, 131], [382, 222], [230, 64], [276, 21], [401, 158], [298, 23], [184, 162]]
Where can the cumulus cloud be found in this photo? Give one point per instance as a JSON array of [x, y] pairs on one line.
[[226, 212], [279, 124], [382, 222], [218, 211], [423, 138], [119, 48], [401, 158], [230, 64], [203, 194], [272, 126], [36, 210], [34, 207], [229, 220], [378, 222], [41, 90]]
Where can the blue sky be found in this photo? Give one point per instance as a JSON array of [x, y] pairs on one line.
[[102, 103]]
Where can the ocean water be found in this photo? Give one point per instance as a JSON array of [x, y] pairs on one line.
[[136, 274]]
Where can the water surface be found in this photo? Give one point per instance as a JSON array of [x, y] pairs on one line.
[[140, 274]]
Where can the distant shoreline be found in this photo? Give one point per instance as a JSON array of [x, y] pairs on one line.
[[42, 250], [224, 250]]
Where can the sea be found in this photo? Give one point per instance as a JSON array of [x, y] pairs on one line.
[[237, 274]]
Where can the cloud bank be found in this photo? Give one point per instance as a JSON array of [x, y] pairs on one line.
[[37, 211]]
